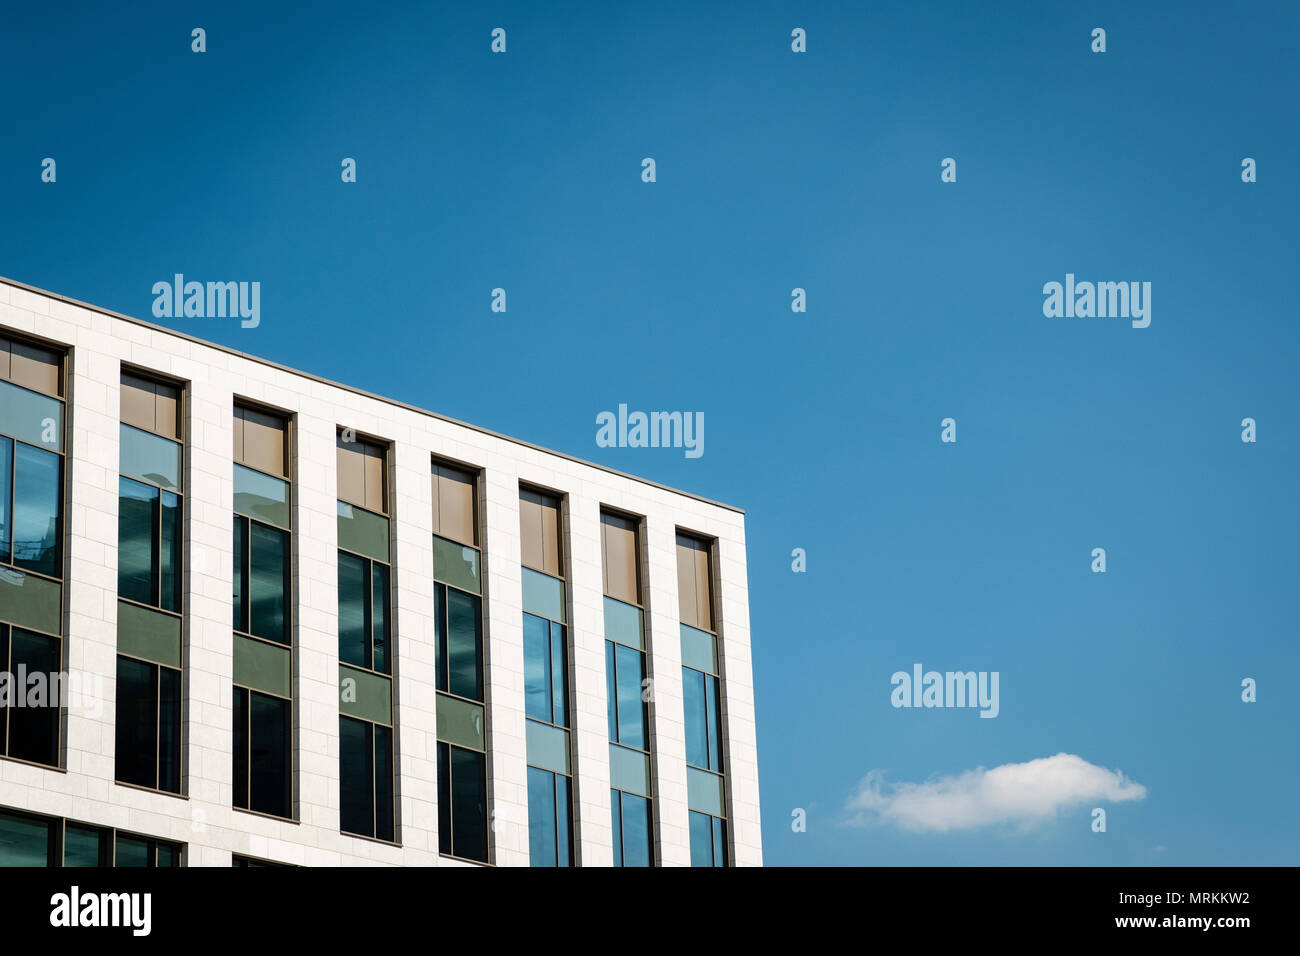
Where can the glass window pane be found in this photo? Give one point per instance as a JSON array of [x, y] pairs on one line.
[[269, 583], [150, 458], [169, 730], [6, 492], [713, 714], [631, 711], [137, 722], [380, 629], [37, 492], [169, 854], [464, 645], [636, 830], [697, 726], [719, 841], [440, 636], [261, 496], [239, 575], [269, 754], [132, 851], [136, 571], [563, 826], [616, 818], [169, 558], [611, 691], [353, 584], [24, 841], [543, 595], [384, 783], [30, 416], [444, 798], [241, 747], [356, 777], [541, 817], [83, 846], [559, 677], [469, 804], [537, 668], [701, 839], [623, 623], [34, 727]]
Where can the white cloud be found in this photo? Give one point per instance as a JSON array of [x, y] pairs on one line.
[[1023, 793]]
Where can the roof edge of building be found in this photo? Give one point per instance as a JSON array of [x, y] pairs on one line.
[[36, 290]]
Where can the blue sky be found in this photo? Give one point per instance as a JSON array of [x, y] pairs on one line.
[[775, 171]]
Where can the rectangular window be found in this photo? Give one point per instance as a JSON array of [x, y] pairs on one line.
[[633, 844], [546, 680], [148, 739], [29, 721], [366, 783], [32, 416], [550, 833], [262, 606], [367, 762], [708, 840], [458, 636], [702, 702], [462, 803], [149, 585], [262, 742], [626, 683], [459, 664]]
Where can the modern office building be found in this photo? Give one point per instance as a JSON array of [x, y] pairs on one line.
[[249, 617]]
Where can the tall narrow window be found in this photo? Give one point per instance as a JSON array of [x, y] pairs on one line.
[[459, 665], [262, 611], [149, 582], [32, 417], [546, 681], [631, 807], [705, 780], [367, 768]]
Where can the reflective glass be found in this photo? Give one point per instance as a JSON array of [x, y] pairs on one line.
[[537, 668], [268, 583], [36, 526], [132, 851], [269, 754], [169, 730], [353, 584], [6, 492], [356, 777], [82, 846], [24, 841], [137, 722], [469, 804], [136, 571], [34, 727], [464, 645], [636, 830], [631, 710], [169, 557], [380, 629], [383, 782], [697, 722]]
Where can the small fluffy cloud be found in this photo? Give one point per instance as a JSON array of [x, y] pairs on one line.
[[1016, 793]]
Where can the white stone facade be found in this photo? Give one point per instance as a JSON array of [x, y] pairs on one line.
[[203, 819]]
